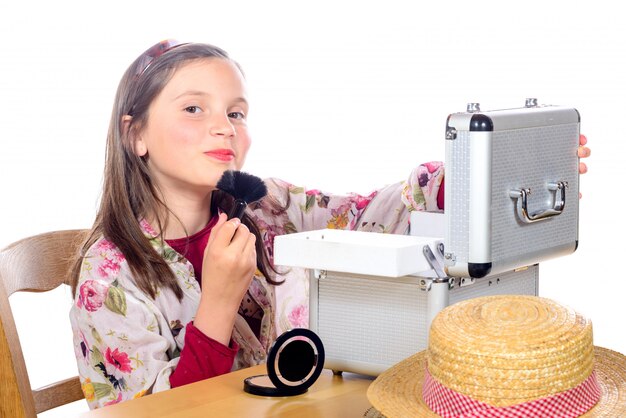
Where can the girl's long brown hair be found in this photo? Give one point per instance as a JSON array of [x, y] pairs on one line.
[[129, 193]]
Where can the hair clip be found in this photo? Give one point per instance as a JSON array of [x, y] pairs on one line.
[[154, 52]]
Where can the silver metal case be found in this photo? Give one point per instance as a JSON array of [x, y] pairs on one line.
[[511, 188], [511, 194], [369, 323]]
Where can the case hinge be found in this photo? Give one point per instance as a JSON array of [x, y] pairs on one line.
[[319, 274], [450, 133], [426, 284], [466, 281]]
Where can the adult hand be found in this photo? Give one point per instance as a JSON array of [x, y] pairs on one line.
[[583, 152]]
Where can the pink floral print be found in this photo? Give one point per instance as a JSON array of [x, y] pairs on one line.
[[420, 191], [362, 201], [127, 343], [299, 316], [114, 401], [118, 359], [105, 245], [109, 268], [92, 295]]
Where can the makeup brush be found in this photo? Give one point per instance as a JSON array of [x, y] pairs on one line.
[[244, 187]]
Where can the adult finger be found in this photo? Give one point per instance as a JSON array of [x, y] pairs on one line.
[[584, 152]]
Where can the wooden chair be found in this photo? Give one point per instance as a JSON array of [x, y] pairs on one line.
[[35, 264]]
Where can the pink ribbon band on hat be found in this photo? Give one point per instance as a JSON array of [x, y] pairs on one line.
[[569, 404]]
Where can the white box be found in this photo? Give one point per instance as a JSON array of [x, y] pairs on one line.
[[359, 252]]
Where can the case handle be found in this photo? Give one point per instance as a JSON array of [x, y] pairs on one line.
[[522, 203]]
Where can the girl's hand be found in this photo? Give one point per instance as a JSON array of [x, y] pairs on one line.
[[227, 270]]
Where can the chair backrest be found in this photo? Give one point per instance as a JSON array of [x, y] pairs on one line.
[[35, 264]]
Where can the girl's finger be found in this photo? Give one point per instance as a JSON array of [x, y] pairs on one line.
[[238, 243], [251, 250], [222, 234]]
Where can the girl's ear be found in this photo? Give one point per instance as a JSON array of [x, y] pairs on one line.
[[137, 143]]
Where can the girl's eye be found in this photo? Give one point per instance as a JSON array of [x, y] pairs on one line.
[[236, 115], [192, 109]]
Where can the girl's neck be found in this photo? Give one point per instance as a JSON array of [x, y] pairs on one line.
[[189, 214]]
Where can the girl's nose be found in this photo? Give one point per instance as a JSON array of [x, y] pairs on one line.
[[222, 126]]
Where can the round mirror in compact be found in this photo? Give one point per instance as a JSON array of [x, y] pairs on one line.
[[294, 363]]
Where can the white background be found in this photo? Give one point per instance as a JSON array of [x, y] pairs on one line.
[[346, 96]]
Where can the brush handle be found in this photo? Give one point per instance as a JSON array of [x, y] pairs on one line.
[[239, 206]]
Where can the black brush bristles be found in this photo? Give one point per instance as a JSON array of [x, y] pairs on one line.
[[244, 187]]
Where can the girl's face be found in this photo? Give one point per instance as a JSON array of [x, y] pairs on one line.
[[197, 127]]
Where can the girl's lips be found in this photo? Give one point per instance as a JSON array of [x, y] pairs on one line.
[[221, 154]]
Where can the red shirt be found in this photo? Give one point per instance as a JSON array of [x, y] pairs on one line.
[[192, 247], [440, 195], [202, 357]]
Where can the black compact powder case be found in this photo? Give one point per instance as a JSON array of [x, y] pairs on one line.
[[294, 363]]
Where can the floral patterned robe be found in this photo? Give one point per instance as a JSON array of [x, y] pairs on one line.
[[127, 344]]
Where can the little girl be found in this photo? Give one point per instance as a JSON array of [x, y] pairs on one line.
[[167, 290]]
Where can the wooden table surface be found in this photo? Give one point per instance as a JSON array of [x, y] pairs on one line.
[[223, 396]]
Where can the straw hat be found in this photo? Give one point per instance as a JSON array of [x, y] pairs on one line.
[[502, 356]]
